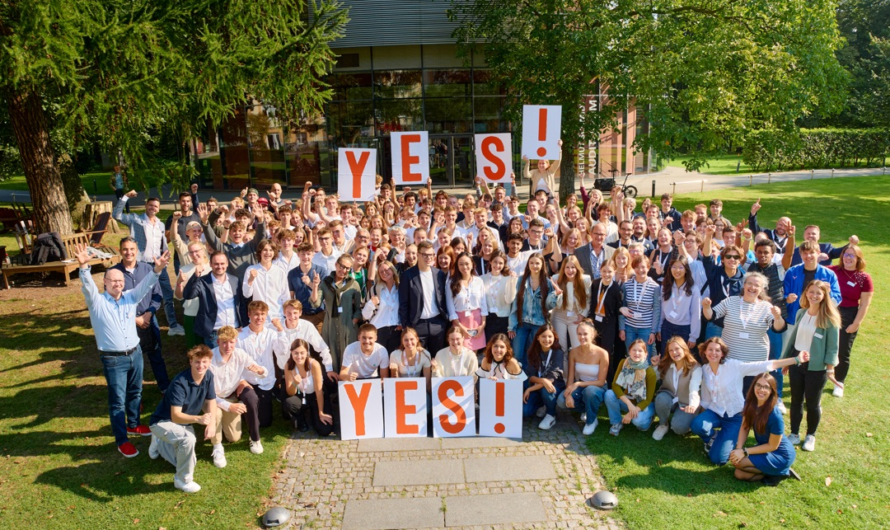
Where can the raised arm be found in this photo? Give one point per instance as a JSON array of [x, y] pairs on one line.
[[118, 213]]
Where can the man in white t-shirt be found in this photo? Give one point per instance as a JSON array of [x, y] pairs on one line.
[[365, 359]]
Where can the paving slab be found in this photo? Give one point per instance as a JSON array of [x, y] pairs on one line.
[[478, 441], [501, 468], [418, 472], [382, 514], [375, 445], [506, 508]]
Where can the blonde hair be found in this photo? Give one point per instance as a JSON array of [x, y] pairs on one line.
[[827, 313]]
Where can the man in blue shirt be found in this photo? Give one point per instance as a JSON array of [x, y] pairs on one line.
[[798, 276], [146, 322], [172, 436], [113, 318]]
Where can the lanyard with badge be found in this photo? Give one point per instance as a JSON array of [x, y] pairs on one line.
[[745, 319], [601, 301], [411, 370], [546, 364], [675, 296]]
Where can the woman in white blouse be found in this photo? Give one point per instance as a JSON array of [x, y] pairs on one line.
[[456, 360], [465, 299], [266, 282], [680, 386], [719, 424], [382, 307], [680, 305], [498, 361], [500, 290], [572, 288]]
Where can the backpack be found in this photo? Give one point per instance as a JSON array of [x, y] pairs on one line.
[[47, 248]]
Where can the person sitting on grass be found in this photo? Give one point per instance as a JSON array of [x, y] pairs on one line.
[[770, 460], [190, 393], [632, 391], [679, 392]]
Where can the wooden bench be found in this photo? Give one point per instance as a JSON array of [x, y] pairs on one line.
[[65, 267]]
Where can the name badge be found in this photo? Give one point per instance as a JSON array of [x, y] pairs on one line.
[[817, 335], [570, 313], [468, 314], [598, 318], [743, 335], [851, 284], [673, 314]]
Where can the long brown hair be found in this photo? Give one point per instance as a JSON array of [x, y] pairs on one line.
[[754, 414], [542, 285], [687, 362], [487, 356], [291, 363], [577, 283], [457, 276], [535, 350]]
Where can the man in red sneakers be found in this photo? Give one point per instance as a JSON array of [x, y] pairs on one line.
[[113, 318]]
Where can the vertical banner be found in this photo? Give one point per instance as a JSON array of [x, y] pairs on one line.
[[500, 408], [541, 126], [454, 411], [361, 409], [404, 401], [356, 172], [410, 158], [493, 157]]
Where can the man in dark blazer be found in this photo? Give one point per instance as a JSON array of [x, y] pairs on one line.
[[592, 255], [422, 299], [219, 294]]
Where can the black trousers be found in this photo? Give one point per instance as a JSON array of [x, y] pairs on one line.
[[295, 408], [845, 343], [250, 400], [389, 338], [806, 386], [264, 405], [432, 334], [494, 325]]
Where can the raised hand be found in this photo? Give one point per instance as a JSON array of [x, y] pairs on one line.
[[82, 256], [131, 193], [776, 312], [791, 298], [711, 230], [202, 212], [755, 207], [177, 215], [316, 279], [706, 302], [161, 263], [277, 323], [854, 240]]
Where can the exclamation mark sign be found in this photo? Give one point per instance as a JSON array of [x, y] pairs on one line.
[[499, 407], [542, 131]]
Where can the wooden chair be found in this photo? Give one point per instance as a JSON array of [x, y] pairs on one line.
[[65, 267]]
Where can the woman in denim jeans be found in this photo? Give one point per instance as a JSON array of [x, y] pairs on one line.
[[588, 368], [535, 297]]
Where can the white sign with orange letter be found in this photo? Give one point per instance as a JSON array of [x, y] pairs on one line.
[[410, 157], [404, 403], [541, 131], [356, 174], [454, 411], [493, 157], [500, 408], [361, 409]]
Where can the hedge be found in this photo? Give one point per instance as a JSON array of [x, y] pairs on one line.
[[772, 150]]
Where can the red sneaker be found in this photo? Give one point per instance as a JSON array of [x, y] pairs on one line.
[[140, 430], [128, 450]]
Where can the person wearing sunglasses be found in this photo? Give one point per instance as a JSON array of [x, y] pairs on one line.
[[724, 279]]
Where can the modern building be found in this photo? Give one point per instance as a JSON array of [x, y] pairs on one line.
[[397, 70]]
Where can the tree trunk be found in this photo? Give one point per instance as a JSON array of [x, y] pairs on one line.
[[38, 160], [567, 172]]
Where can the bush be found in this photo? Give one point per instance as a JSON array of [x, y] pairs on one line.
[[772, 150]]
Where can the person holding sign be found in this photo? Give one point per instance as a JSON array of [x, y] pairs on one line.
[[545, 375], [303, 382], [411, 360], [588, 368], [498, 362], [542, 178], [365, 359], [456, 360]]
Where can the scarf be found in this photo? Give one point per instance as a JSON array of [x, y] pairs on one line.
[[337, 290], [632, 379]]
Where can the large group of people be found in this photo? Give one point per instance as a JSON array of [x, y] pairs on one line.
[[685, 320]]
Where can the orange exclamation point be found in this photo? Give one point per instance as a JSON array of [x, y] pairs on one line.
[[499, 407], [542, 132]]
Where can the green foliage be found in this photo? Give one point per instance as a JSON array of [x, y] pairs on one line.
[[705, 73], [769, 150]]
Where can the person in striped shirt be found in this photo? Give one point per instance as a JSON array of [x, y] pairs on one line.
[[641, 312]]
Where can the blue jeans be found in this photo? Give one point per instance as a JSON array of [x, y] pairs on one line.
[[669, 330], [587, 399], [525, 333], [631, 334], [542, 397], [713, 330], [775, 352], [167, 291], [123, 375], [706, 425], [618, 408]]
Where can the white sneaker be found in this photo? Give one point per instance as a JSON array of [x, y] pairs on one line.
[[542, 411], [176, 330], [153, 452], [659, 433], [256, 447], [187, 487], [809, 443], [547, 423], [219, 456], [794, 439], [616, 428], [589, 428], [838, 392], [782, 408], [584, 418]]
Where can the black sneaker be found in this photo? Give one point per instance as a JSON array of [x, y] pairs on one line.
[[793, 474], [773, 480]]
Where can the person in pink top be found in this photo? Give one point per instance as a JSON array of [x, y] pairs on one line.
[[856, 294]]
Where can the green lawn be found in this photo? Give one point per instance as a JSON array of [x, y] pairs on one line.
[[93, 183], [720, 165], [670, 484]]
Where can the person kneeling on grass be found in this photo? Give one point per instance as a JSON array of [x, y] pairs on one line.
[[303, 382], [234, 396], [190, 393], [770, 460], [632, 391]]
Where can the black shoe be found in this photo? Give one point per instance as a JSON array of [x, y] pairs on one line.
[[302, 424], [773, 480], [794, 474]]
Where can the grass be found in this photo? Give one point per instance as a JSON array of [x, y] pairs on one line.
[[59, 466], [93, 183], [670, 484], [719, 165]]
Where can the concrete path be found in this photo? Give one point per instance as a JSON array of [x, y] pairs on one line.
[[541, 481]]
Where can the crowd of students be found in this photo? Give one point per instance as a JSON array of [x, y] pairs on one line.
[[681, 317]]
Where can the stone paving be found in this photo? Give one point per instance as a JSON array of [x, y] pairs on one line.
[[542, 481]]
